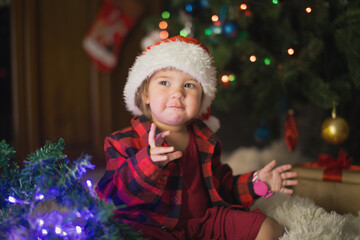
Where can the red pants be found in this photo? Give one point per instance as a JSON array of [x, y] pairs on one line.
[[217, 223]]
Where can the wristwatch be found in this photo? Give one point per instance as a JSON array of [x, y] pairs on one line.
[[261, 188]]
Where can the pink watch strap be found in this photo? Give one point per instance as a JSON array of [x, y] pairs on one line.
[[261, 188]]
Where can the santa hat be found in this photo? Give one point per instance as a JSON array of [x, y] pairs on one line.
[[182, 53]]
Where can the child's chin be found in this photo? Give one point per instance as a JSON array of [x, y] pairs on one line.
[[177, 121]]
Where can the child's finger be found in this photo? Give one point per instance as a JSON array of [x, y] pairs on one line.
[[290, 182], [151, 139], [286, 175], [163, 159], [269, 166], [161, 150], [159, 158], [286, 190], [161, 135], [283, 168], [174, 155]]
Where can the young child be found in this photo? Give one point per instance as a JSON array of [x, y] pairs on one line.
[[164, 171]]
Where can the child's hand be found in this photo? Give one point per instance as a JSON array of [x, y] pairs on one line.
[[279, 178], [161, 155]]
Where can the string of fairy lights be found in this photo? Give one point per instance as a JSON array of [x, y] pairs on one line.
[[68, 224], [45, 228], [218, 27]]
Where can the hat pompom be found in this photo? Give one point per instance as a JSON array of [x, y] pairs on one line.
[[211, 121]]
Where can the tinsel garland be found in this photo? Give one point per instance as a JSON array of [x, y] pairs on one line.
[[49, 199]]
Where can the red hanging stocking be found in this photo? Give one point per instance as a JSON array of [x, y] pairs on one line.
[[105, 37], [291, 131]]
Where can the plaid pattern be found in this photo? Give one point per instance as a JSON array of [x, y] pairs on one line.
[[148, 194]]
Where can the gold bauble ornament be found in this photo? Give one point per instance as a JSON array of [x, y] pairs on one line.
[[335, 130]]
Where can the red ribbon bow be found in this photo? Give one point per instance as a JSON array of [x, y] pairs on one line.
[[342, 162], [333, 168]]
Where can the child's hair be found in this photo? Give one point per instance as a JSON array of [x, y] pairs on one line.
[[180, 53], [139, 102]]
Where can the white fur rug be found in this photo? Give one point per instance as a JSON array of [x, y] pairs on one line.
[[301, 217]]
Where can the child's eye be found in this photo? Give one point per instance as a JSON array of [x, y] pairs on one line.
[[164, 83], [189, 85]]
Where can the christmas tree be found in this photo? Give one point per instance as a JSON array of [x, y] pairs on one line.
[[49, 199], [273, 55]]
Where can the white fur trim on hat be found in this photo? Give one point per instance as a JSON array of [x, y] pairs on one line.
[[181, 53]]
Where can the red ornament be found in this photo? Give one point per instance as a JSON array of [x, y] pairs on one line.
[[291, 131]]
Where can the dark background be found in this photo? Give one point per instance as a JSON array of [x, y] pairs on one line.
[[49, 88]]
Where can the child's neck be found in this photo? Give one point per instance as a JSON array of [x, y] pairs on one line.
[[172, 128]]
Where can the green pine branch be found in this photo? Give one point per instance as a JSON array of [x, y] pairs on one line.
[[50, 188]]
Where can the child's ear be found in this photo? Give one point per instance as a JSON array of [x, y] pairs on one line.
[[145, 98]]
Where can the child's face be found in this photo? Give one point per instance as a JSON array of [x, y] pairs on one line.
[[174, 97]]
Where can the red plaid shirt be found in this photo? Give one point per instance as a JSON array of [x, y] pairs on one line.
[[148, 194]]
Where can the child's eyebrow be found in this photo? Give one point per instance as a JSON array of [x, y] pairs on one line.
[[167, 76], [162, 76]]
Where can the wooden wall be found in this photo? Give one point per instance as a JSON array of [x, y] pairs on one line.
[[56, 90]]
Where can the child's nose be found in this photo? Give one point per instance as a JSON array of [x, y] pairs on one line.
[[178, 93]]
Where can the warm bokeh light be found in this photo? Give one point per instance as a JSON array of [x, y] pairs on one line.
[[225, 78], [164, 34], [243, 7], [217, 24], [163, 25], [252, 58], [214, 18], [248, 13], [308, 9], [291, 51]]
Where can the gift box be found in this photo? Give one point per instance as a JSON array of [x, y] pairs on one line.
[[332, 184]]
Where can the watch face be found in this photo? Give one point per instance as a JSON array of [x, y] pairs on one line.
[[260, 188]]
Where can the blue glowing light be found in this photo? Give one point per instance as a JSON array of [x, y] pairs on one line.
[[89, 183], [39, 197], [189, 8], [58, 230], [204, 3], [12, 199], [230, 29], [44, 232], [78, 229], [41, 222]]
